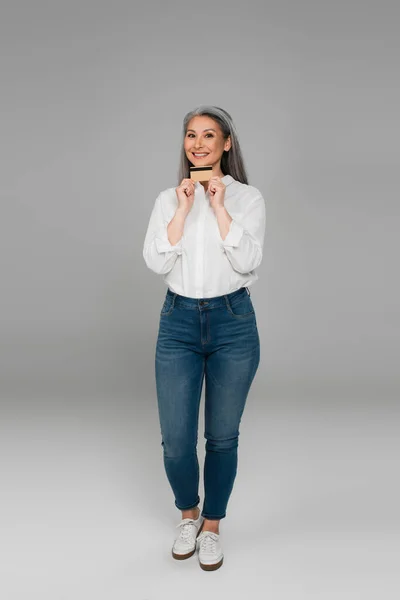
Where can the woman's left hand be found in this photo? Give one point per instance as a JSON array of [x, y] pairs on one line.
[[216, 192]]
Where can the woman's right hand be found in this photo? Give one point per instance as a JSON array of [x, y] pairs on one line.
[[185, 194]]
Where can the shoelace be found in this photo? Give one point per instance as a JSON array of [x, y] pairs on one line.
[[208, 541], [186, 529]]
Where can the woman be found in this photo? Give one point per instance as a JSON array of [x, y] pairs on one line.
[[206, 239]]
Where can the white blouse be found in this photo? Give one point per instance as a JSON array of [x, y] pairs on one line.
[[202, 264]]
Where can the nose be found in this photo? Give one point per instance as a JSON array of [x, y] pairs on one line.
[[197, 144]]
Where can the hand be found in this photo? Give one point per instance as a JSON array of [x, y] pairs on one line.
[[185, 194], [216, 192]]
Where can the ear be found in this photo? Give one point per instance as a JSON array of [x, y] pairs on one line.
[[228, 144]]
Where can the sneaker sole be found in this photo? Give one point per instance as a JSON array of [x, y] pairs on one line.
[[213, 567], [189, 554]]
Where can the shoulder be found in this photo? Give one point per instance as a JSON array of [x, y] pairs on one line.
[[166, 202], [246, 192], [168, 194], [166, 197]]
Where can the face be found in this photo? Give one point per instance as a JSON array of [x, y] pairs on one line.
[[204, 136]]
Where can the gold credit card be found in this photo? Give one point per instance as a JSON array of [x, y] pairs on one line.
[[203, 173]]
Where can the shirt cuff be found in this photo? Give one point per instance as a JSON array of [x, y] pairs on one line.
[[234, 235], [163, 244]]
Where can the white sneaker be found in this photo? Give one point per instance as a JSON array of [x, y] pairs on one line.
[[185, 544], [210, 552]]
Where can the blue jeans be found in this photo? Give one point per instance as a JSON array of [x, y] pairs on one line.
[[216, 337]]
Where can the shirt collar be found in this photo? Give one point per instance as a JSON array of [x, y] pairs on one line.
[[226, 180]]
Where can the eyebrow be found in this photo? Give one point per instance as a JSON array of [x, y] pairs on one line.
[[209, 129]]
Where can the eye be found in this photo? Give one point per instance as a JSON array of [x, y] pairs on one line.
[[207, 134]]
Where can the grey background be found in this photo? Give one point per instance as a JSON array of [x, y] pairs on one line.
[[93, 95]]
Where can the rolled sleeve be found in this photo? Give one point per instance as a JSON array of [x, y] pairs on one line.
[[244, 242], [162, 242], [158, 253], [234, 235]]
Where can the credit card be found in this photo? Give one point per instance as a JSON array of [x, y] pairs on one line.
[[203, 173]]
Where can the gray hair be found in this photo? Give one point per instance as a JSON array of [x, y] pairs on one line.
[[232, 162]]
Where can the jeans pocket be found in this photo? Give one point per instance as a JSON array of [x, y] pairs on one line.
[[168, 306], [241, 306]]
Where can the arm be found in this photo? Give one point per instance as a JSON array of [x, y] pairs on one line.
[[158, 252], [244, 242]]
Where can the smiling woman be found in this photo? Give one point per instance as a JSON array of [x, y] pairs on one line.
[[204, 144], [210, 131], [206, 239]]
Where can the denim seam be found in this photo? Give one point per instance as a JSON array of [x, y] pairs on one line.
[[167, 313], [228, 305]]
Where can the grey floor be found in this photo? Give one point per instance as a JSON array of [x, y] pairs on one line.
[[87, 512]]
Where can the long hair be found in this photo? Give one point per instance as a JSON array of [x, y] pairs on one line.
[[232, 162]]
